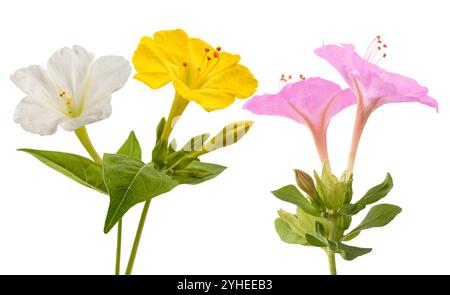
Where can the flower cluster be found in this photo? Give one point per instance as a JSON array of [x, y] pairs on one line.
[[325, 209]]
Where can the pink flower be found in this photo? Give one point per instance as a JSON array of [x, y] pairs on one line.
[[372, 85], [311, 102]]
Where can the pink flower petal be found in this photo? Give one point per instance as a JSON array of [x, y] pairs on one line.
[[311, 102], [375, 85]]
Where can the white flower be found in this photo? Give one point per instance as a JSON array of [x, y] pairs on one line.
[[74, 91]]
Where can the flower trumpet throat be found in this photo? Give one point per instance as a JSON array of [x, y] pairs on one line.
[[199, 72]]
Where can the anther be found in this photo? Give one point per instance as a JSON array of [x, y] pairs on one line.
[[208, 58], [218, 48], [206, 49], [184, 64]]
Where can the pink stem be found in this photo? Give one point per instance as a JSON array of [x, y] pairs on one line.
[[360, 122], [320, 139]]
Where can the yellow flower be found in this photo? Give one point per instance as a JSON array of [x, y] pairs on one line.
[[199, 72]]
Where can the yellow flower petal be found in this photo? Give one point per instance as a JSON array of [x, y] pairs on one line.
[[237, 80], [149, 66], [173, 45], [209, 99], [199, 72], [226, 60]]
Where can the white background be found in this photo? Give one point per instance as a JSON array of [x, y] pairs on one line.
[[50, 224]]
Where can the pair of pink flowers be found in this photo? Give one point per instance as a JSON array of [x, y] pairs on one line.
[[314, 101]]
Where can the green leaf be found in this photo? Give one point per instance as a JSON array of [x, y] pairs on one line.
[[286, 234], [79, 168], [316, 240], [292, 195], [373, 195], [197, 172], [130, 181], [131, 147], [378, 216], [348, 252]]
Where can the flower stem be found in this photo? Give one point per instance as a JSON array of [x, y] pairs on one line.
[[179, 104], [83, 136], [137, 238], [332, 237], [87, 144], [331, 262], [360, 122], [119, 246]]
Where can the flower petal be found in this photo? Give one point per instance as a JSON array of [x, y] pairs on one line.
[[408, 90], [173, 45], [311, 102], [197, 49], [108, 74], [35, 82], [35, 115], [236, 79], [374, 84], [344, 58], [209, 99], [69, 68], [98, 111]]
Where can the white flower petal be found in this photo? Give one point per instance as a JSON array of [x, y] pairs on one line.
[[35, 115], [108, 74], [96, 112], [70, 68], [36, 82]]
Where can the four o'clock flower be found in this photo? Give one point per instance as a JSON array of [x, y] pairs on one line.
[[312, 102], [198, 71], [372, 85], [72, 92]]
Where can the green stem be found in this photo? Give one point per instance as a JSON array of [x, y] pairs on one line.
[[137, 238], [179, 104], [119, 246], [331, 262], [332, 237], [87, 144], [83, 136]]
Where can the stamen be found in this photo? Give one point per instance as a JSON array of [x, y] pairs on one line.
[[185, 64], [218, 48], [303, 78]]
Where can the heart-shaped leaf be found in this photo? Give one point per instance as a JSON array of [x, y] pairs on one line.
[[130, 181], [76, 167], [131, 147]]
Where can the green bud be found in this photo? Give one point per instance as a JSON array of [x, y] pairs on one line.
[[160, 128], [229, 135], [305, 182]]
